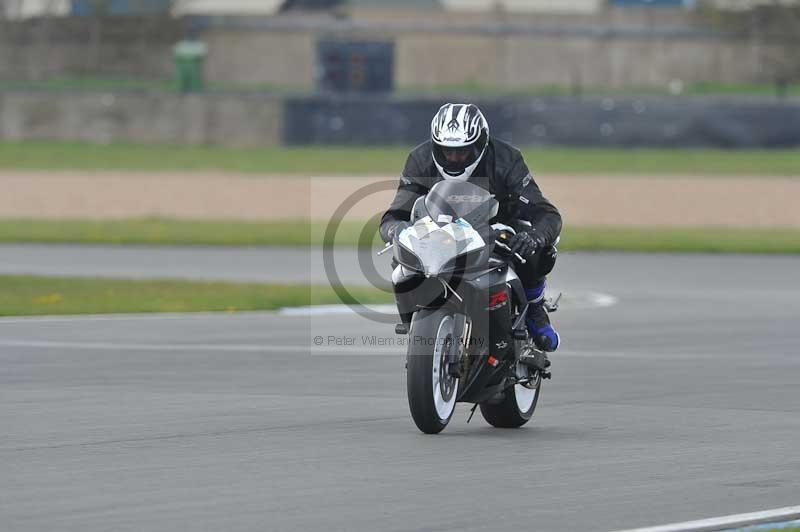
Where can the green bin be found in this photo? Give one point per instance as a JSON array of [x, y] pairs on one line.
[[189, 59]]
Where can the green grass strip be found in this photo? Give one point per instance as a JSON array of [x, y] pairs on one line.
[[708, 88], [342, 160], [303, 233], [683, 240], [470, 87], [154, 231], [88, 83], [31, 296]]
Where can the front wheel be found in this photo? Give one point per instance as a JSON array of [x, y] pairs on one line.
[[431, 389], [518, 403]]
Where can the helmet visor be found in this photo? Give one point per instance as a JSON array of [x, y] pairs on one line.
[[454, 160]]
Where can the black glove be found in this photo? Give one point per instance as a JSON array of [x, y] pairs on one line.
[[526, 244]]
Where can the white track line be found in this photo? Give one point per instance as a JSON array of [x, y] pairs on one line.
[[333, 310], [245, 348], [594, 299], [603, 300], [728, 522], [357, 349]]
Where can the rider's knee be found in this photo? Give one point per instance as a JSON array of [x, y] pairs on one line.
[[547, 261], [534, 271]]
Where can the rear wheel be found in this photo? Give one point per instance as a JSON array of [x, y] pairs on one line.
[[518, 404], [431, 390]]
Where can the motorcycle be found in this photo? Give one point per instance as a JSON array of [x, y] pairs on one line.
[[463, 310]]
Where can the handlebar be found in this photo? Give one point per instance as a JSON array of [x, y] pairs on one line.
[[504, 246], [498, 243]]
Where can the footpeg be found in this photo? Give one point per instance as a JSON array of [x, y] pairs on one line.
[[401, 328], [551, 305], [537, 361]]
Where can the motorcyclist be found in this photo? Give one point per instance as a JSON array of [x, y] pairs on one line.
[[461, 148]]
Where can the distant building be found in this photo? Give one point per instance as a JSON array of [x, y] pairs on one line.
[[544, 6], [311, 4], [743, 5], [20, 9], [592, 6], [227, 7], [16, 9], [120, 7]]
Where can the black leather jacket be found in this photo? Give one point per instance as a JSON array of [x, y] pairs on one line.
[[502, 171]]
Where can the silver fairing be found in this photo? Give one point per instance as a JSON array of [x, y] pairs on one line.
[[435, 246]]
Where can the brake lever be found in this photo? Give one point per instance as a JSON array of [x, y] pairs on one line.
[[505, 247]]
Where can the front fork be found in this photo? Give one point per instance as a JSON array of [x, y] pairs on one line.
[[458, 359]]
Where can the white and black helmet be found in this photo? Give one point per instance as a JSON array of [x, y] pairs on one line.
[[459, 128]]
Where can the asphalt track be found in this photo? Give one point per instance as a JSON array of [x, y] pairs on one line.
[[679, 402]]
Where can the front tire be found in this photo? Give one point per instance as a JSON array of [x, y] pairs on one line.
[[431, 391]]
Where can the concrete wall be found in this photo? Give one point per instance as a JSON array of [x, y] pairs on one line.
[[425, 60], [286, 59], [141, 117], [613, 49], [507, 53], [125, 47], [520, 61]]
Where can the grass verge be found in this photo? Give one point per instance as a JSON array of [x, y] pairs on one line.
[[88, 83], [471, 87], [348, 160], [156, 231], [32, 296], [476, 88], [683, 240], [303, 233]]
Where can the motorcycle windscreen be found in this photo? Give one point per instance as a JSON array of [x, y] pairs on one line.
[[450, 200], [435, 246]]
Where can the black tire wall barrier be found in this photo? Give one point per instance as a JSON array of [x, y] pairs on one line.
[[609, 121]]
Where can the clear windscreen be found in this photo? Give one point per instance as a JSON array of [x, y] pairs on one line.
[[451, 200]]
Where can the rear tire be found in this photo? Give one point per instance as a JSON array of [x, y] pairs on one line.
[[431, 391], [516, 408]]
